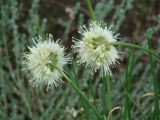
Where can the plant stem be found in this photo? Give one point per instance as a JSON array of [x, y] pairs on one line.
[[128, 76], [81, 99], [92, 92], [155, 84], [80, 93], [107, 81], [136, 104], [134, 46], [90, 10]]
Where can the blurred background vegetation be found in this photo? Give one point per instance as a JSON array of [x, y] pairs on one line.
[[20, 20]]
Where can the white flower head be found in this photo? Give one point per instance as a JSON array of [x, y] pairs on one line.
[[93, 49], [42, 59]]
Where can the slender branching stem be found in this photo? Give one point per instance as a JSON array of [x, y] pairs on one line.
[[134, 46], [79, 92], [90, 10]]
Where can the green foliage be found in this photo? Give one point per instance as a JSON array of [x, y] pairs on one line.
[[104, 7], [18, 100]]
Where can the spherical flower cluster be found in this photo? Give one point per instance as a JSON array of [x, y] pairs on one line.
[[42, 60], [93, 49]]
